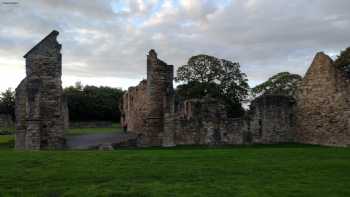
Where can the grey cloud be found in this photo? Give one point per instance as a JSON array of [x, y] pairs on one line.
[[266, 36]]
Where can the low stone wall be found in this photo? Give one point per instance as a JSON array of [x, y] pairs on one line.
[[93, 124], [272, 120], [204, 122]]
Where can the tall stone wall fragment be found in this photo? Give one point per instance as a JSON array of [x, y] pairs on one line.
[[323, 105], [39, 98], [159, 97]]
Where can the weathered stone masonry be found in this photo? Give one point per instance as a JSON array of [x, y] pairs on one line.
[[271, 120], [323, 105], [144, 106], [320, 114], [135, 107], [39, 99], [159, 97], [150, 113]]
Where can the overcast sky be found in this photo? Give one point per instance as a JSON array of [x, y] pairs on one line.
[[105, 42]]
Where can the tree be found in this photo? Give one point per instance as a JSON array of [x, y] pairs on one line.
[[283, 83], [7, 102], [343, 61], [207, 75], [91, 103]]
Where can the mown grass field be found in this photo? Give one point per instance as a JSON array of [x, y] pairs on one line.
[[269, 170], [81, 131], [281, 170]]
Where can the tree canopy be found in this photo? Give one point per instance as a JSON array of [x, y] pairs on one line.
[[7, 102], [343, 61], [283, 83], [91, 103], [207, 75]]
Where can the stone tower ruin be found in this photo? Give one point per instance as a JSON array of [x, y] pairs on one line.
[[160, 95], [145, 105], [39, 98]]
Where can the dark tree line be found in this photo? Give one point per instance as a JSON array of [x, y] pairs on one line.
[[86, 103], [7, 103], [91, 103], [343, 61]]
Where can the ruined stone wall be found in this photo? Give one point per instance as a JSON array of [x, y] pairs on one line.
[[21, 114], [323, 105], [202, 122], [271, 120], [65, 111], [160, 98], [39, 105], [148, 110], [135, 108], [144, 106]]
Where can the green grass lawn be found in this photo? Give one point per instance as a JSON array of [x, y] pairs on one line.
[[80, 131], [281, 170], [8, 129], [6, 142]]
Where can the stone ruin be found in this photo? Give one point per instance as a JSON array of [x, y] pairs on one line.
[[150, 113], [144, 106], [323, 105], [40, 107], [320, 114]]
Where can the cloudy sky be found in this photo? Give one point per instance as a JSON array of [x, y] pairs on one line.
[[105, 42]]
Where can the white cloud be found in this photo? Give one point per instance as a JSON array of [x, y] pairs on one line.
[[103, 41]]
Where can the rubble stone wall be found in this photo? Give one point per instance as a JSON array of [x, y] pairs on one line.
[[204, 122], [135, 108], [320, 114], [323, 105], [39, 102], [271, 120], [148, 110], [159, 98]]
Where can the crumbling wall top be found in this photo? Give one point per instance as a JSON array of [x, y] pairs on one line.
[[41, 47]]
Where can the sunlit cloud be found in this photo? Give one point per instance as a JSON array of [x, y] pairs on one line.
[[105, 42]]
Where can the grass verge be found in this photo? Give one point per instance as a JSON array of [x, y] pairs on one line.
[[81, 131], [280, 170]]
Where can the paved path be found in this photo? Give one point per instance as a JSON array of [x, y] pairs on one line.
[[89, 141]]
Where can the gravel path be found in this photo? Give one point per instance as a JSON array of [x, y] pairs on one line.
[[94, 140]]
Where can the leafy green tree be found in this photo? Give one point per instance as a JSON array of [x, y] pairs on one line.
[[283, 83], [207, 75], [343, 61], [7, 102]]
